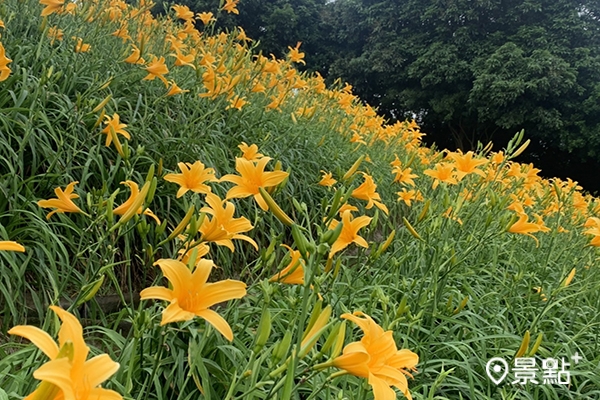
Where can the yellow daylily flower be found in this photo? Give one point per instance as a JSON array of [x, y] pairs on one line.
[[175, 89], [192, 177], [230, 6], [443, 172], [205, 17], [183, 12], [327, 179], [223, 227], [527, 228], [135, 191], [4, 61], [68, 375], [465, 164], [377, 358], [293, 273], [252, 176], [63, 201], [192, 295], [135, 57], [54, 34], [157, 69], [52, 6], [9, 245], [250, 152], [349, 232], [114, 124], [295, 54], [366, 191], [81, 47]]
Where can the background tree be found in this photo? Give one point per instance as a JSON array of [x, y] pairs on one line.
[[479, 70]]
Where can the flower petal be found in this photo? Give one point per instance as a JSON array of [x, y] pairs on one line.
[[177, 273], [217, 322], [38, 337], [9, 245], [157, 292], [381, 389], [99, 369], [58, 373], [174, 313], [355, 363], [217, 292]]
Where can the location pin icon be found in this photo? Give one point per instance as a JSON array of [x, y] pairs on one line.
[[494, 368]]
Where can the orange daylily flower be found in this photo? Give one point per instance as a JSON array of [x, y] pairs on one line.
[[252, 176], [54, 34], [8, 245], [327, 179], [293, 273], [185, 254], [4, 61], [81, 47], [63, 201], [183, 12], [377, 358], [236, 102], [223, 227], [135, 57], [242, 37], [114, 127], [183, 60], [230, 6], [135, 192], [157, 69], [465, 164], [68, 375], [250, 152], [52, 6], [349, 232], [366, 191], [295, 54], [408, 196], [205, 17], [442, 173], [174, 89], [192, 296], [404, 176], [192, 177], [527, 228], [594, 224]]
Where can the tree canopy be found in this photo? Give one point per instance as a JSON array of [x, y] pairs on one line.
[[481, 69]]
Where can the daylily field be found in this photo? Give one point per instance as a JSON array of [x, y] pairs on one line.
[[183, 218]]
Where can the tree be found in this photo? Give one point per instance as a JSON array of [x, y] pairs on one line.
[[479, 69]]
